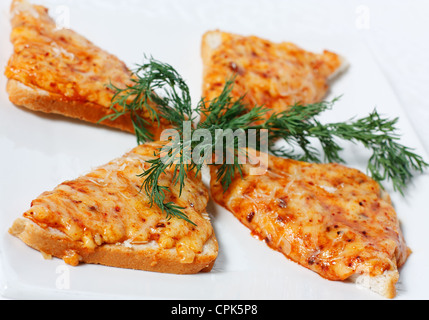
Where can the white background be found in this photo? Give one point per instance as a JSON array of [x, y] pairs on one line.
[[399, 38], [395, 31]]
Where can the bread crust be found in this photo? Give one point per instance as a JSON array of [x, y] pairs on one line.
[[141, 257], [384, 284], [47, 102], [41, 100]]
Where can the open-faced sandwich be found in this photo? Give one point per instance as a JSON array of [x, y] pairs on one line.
[[56, 70], [104, 218], [276, 75], [328, 218]]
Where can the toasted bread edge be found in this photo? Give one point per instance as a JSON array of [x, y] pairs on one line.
[[47, 102], [140, 257]]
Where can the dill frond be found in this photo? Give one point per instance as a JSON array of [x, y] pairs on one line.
[[160, 91]]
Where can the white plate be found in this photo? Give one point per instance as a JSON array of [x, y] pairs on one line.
[[40, 151]]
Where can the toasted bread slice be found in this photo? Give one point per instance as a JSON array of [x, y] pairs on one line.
[[104, 218], [59, 71], [329, 218], [276, 75]]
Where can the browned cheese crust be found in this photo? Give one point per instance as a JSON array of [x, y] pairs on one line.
[[58, 71], [276, 75], [329, 218], [103, 217]]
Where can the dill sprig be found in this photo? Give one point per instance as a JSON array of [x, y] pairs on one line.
[[157, 193], [156, 91], [389, 161], [158, 84]]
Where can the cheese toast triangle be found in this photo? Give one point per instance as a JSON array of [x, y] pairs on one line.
[[104, 218], [276, 75], [329, 218], [56, 70]]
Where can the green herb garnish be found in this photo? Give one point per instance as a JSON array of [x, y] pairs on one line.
[[141, 97], [158, 84]]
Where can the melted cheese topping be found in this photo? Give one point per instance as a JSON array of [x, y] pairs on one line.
[[327, 217], [276, 75], [106, 206], [60, 61]]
